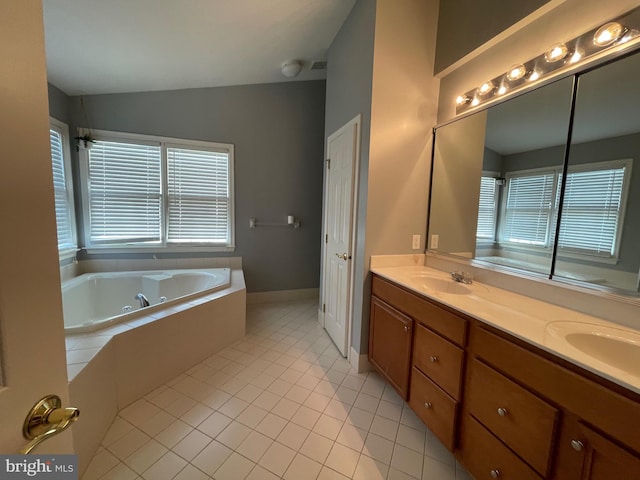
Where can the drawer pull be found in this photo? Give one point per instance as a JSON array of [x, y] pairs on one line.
[[406, 328], [433, 359], [577, 445], [427, 405], [502, 411], [495, 473]]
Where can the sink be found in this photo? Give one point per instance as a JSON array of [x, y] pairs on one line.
[[442, 286], [617, 347]]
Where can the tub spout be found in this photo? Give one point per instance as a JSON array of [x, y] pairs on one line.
[[143, 300]]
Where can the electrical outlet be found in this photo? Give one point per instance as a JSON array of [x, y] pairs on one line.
[[434, 241], [415, 242]]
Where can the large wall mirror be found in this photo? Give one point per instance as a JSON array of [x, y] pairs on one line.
[[498, 177]]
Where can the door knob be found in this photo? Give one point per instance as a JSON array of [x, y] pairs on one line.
[[344, 256], [46, 419]]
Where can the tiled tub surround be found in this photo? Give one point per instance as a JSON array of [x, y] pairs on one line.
[[279, 403], [526, 318], [110, 368]]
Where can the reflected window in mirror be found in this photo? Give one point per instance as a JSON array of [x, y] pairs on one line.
[[525, 149], [599, 238]]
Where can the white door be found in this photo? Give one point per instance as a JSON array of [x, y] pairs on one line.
[[340, 194], [32, 352]]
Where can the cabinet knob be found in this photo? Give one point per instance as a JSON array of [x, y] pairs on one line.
[[502, 411], [427, 404], [495, 473], [433, 359], [406, 328], [577, 445]]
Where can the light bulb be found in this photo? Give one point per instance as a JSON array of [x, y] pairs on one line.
[[535, 75], [576, 56], [461, 100], [502, 90], [516, 72], [555, 53], [485, 88], [607, 34], [475, 102]]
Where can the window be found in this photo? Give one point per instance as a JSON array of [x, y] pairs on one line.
[[593, 209], [488, 207], [63, 188], [592, 214], [144, 191]]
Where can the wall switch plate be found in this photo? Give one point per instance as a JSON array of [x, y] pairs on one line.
[[415, 242], [434, 241]]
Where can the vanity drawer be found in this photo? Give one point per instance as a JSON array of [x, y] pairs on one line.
[[439, 359], [434, 407], [520, 419], [487, 458], [447, 324]]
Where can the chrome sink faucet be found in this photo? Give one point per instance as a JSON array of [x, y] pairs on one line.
[[462, 277], [143, 300]]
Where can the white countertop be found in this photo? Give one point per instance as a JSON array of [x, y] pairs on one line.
[[536, 322]]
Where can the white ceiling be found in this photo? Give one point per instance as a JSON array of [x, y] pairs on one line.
[[112, 46]]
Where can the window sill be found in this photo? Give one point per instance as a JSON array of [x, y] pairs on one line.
[[159, 249]]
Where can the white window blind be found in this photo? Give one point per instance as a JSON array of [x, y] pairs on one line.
[[529, 208], [487, 209], [63, 198], [125, 192], [198, 196], [591, 212]]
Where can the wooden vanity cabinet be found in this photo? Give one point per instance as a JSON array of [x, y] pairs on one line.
[[390, 334], [437, 362], [560, 422]]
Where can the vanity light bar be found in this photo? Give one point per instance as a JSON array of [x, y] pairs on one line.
[[559, 56]]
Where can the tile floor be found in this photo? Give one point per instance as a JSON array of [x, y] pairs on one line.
[[280, 403]]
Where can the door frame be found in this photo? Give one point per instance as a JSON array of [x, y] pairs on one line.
[[356, 123]]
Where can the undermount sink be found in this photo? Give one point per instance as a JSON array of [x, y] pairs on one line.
[[440, 285], [616, 347]]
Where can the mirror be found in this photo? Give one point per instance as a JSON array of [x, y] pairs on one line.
[[495, 176], [498, 177], [600, 220]]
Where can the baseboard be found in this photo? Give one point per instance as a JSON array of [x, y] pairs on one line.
[[360, 362], [282, 295]]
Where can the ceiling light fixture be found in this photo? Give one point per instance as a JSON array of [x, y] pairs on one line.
[[291, 69], [621, 33]]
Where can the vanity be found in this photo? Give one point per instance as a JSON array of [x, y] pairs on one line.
[[506, 391]]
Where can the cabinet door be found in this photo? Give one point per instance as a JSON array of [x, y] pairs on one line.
[[603, 459], [390, 334]]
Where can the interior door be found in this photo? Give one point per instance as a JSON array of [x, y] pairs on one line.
[[342, 147], [32, 352]]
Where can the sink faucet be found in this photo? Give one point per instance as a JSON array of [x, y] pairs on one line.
[[462, 277], [143, 300]]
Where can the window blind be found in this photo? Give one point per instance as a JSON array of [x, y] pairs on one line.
[[198, 196], [64, 222], [529, 208], [487, 209], [591, 211], [125, 192]]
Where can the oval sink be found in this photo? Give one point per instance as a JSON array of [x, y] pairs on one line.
[[621, 354], [444, 286], [617, 347]]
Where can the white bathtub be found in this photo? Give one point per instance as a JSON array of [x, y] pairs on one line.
[[96, 300]]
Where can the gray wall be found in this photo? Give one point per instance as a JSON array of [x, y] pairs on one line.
[[277, 130], [58, 104], [464, 25], [616, 148], [349, 88]]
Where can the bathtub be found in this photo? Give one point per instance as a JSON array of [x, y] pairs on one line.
[[96, 300]]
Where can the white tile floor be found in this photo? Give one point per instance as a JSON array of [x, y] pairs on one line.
[[281, 403]]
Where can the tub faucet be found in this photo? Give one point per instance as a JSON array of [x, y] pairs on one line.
[[143, 300]]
